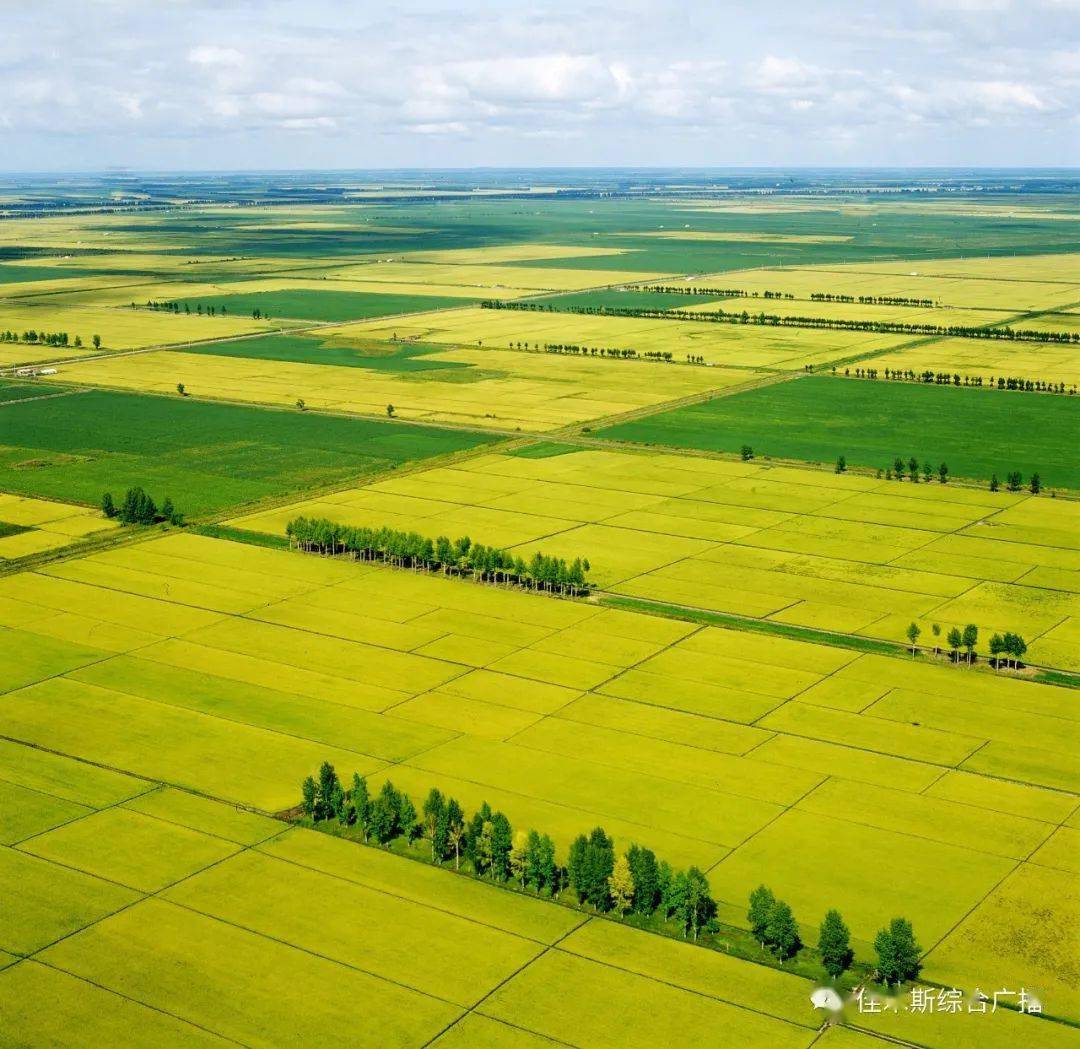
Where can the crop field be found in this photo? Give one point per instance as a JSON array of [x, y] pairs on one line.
[[163, 695], [204, 456], [257, 664], [816, 419], [33, 526], [839, 552], [501, 389], [719, 344]]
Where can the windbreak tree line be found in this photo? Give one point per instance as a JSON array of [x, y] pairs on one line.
[[45, 338], [486, 845], [930, 377], [461, 556], [775, 320], [635, 886]]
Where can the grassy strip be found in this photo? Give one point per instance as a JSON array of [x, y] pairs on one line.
[[760, 626], [1062, 678], [241, 535]]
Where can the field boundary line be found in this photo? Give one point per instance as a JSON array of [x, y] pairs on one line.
[[502, 983]]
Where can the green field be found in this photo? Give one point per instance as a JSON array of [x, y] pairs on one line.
[[817, 418], [735, 694], [322, 305], [304, 349], [205, 456]]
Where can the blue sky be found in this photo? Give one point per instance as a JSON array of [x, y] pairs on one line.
[[190, 84]]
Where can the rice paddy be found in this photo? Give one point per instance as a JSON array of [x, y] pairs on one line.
[[162, 698], [834, 551]]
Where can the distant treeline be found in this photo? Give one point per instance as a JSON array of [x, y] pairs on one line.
[[46, 338], [452, 557], [170, 306], [815, 296], [719, 316], [999, 382]]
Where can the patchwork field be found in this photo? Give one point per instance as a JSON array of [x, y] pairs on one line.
[[840, 552], [33, 526], [161, 700], [484, 388], [258, 664], [816, 418], [719, 344], [204, 456]]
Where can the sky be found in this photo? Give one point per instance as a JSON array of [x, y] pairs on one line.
[[253, 84]]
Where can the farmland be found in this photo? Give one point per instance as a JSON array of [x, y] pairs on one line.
[[836, 551], [817, 419], [204, 456], [735, 693], [264, 663]]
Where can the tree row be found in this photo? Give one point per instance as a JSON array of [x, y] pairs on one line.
[[633, 885], [47, 338], [928, 377], [489, 564], [720, 316]]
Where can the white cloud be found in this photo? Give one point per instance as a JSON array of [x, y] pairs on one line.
[[614, 82]]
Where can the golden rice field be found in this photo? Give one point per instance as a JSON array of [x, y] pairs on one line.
[[1021, 285], [170, 920], [838, 552], [42, 525], [503, 389], [119, 328], [783, 349], [258, 664]]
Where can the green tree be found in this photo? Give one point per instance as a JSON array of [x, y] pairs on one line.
[[1014, 481], [943, 473], [390, 411], [762, 902], [434, 811], [841, 465], [301, 405], [621, 886], [96, 340], [913, 469], [970, 639], [361, 803], [782, 932], [747, 453], [646, 877], [995, 484], [310, 793], [997, 647], [168, 511], [108, 507], [913, 632], [519, 858], [540, 867], [898, 953], [927, 471], [699, 907], [1035, 485], [180, 388], [955, 640], [898, 468], [935, 629], [137, 507], [502, 844], [328, 786], [834, 944]]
